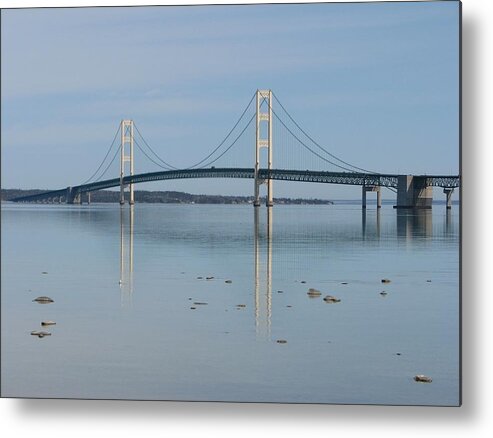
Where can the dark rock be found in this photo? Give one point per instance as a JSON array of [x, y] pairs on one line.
[[281, 341], [209, 278], [43, 300], [422, 378], [313, 293], [229, 281], [48, 323], [383, 293], [385, 280], [331, 299], [241, 305], [302, 281], [40, 334]]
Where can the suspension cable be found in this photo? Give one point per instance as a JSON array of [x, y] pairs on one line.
[[108, 166], [231, 145], [308, 147], [315, 143], [155, 162], [205, 158], [104, 159], [152, 150], [227, 136]]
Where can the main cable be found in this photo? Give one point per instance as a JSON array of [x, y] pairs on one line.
[[155, 162], [169, 166], [308, 147], [227, 136], [108, 166], [104, 159], [231, 145], [314, 142]]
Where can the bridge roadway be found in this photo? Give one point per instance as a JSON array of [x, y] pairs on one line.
[[348, 178]]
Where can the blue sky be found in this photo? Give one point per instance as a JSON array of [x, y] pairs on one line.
[[376, 84]]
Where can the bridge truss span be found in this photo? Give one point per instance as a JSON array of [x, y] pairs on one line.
[[347, 178]]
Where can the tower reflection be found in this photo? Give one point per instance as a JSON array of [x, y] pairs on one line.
[[126, 256], [263, 277]]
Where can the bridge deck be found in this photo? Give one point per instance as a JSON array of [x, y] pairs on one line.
[[348, 178]]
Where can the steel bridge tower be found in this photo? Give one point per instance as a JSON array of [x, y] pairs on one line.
[[127, 138], [262, 142]]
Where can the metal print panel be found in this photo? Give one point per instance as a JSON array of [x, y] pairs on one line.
[[238, 203]]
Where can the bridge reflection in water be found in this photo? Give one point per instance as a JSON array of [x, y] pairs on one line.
[[414, 224], [263, 274], [411, 224], [126, 256], [375, 231]]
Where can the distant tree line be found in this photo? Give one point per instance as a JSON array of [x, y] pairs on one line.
[[167, 197]]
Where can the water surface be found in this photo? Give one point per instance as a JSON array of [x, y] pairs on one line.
[[124, 282]]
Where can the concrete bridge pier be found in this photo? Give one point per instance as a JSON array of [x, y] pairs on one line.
[[371, 188], [70, 196], [448, 193], [413, 192]]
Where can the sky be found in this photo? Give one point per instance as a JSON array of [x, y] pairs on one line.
[[376, 84]]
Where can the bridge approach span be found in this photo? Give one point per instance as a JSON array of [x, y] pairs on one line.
[[347, 178]]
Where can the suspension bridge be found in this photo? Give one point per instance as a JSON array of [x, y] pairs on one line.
[[263, 123]]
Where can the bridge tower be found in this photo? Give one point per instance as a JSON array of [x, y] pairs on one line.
[[127, 139], [263, 142]]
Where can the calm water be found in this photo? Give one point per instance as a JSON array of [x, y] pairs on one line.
[[125, 281]]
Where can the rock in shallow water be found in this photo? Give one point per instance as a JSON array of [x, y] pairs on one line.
[[48, 323], [43, 300], [385, 280], [313, 293], [40, 334], [331, 299], [422, 378]]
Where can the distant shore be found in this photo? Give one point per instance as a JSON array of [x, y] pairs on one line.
[[169, 197]]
